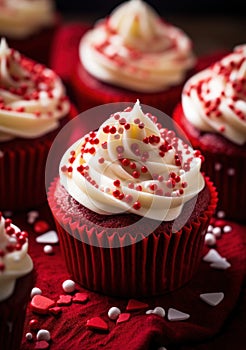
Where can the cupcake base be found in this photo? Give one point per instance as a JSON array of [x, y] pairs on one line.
[[22, 170], [155, 264], [225, 164]]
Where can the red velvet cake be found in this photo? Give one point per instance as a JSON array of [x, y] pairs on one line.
[[33, 108], [132, 54], [131, 207], [213, 116], [16, 282], [29, 27]]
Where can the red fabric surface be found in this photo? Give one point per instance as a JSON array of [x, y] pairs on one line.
[[208, 327]]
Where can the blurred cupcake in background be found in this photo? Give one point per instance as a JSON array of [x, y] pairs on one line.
[[132, 54], [29, 26], [213, 116], [33, 108]]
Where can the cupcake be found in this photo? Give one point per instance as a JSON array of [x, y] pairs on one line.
[[131, 207], [16, 281], [132, 54], [33, 106], [29, 26], [213, 115]]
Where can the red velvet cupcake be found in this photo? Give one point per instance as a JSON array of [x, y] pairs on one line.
[[16, 281], [131, 207], [29, 26], [33, 107], [132, 54], [213, 116]]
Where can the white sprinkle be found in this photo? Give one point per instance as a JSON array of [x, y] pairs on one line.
[[29, 336], [210, 239], [216, 232], [159, 311], [49, 237], [212, 256], [35, 291], [176, 315], [148, 312], [222, 264], [231, 171], [114, 312], [162, 348], [210, 228], [181, 172], [217, 166], [32, 216], [12, 240], [212, 299], [220, 214], [43, 334], [68, 286], [48, 249], [227, 228]]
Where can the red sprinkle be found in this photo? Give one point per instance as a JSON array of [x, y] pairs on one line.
[[41, 226], [137, 205]]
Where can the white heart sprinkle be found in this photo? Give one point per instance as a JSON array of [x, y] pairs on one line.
[[212, 256], [212, 299], [222, 264], [148, 312], [48, 237], [159, 311], [176, 315]]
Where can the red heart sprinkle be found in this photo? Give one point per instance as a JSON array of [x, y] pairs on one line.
[[64, 300], [42, 345], [33, 324], [97, 323], [41, 226], [41, 304], [123, 318], [55, 310], [134, 305], [80, 298]]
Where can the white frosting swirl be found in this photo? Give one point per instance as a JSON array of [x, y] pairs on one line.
[[14, 260], [134, 49], [214, 100], [32, 97], [21, 18], [132, 165]]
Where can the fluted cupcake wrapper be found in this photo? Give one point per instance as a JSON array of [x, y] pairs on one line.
[[154, 265]]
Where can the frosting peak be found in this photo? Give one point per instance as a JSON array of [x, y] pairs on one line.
[[14, 260], [134, 48], [214, 100], [32, 97], [132, 165]]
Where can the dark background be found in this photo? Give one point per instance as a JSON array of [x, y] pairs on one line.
[[162, 6]]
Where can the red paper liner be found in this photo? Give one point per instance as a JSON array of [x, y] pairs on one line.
[[13, 312], [22, 170], [225, 164], [154, 265]]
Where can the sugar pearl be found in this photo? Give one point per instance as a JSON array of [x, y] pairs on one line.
[[216, 232], [221, 214], [35, 291], [68, 286], [29, 336], [43, 334], [48, 249], [113, 313], [210, 239], [227, 228], [210, 228]]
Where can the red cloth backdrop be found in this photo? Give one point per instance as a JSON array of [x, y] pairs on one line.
[[219, 327]]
